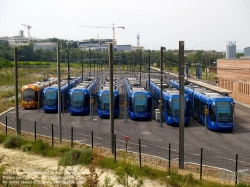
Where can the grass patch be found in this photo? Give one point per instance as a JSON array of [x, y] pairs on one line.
[[74, 157], [13, 141], [2, 138]]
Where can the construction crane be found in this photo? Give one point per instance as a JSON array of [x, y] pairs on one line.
[[113, 28], [29, 27]]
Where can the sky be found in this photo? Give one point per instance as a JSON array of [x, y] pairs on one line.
[[201, 24]]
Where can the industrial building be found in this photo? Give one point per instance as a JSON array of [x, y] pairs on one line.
[[234, 73], [247, 52], [16, 40], [45, 46]]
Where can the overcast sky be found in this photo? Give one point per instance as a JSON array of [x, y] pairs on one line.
[[202, 24]]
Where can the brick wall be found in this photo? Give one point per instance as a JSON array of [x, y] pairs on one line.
[[234, 75]]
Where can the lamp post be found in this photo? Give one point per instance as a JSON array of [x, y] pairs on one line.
[[161, 71]]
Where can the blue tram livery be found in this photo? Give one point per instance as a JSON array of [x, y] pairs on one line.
[[219, 115], [139, 100], [50, 94], [170, 103], [79, 97], [103, 99]]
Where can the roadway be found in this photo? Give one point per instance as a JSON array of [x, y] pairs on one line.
[[196, 136]]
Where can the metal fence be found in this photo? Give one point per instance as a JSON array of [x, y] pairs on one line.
[[202, 163]]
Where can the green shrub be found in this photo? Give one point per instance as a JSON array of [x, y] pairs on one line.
[[40, 147], [13, 141], [26, 147], [2, 137], [86, 156], [74, 157]]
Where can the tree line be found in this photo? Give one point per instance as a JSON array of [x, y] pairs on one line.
[[26, 54]]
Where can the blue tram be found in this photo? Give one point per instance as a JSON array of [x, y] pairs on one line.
[[50, 94], [103, 99], [170, 103], [79, 97], [139, 100], [220, 109]]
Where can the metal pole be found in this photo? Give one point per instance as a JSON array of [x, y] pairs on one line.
[[133, 64], [52, 135], [205, 119], [201, 163], [59, 94], [68, 70], [115, 146], [35, 129], [161, 71], [140, 66], [92, 139], [90, 113], [71, 137], [111, 96], [90, 66], [6, 125], [148, 69], [91, 108], [169, 156], [125, 109], [236, 169], [16, 92], [38, 100], [206, 65], [140, 153], [131, 67], [181, 105], [82, 66]]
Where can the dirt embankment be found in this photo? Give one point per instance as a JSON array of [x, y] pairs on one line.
[[46, 171]]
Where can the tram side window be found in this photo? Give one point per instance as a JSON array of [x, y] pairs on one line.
[[117, 102], [87, 100], [188, 108], [196, 106], [202, 108], [212, 113], [149, 104], [36, 96], [131, 104], [168, 109]]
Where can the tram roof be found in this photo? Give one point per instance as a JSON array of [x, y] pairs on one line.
[[200, 83]]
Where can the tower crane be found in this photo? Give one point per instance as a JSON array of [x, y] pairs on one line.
[[113, 28], [29, 27]]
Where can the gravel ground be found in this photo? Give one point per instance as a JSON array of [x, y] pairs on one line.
[[46, 171]]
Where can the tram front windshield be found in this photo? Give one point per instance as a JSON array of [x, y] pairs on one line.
[[141, 103], [105, 102], [28, 95], [50, 98], [224, 111], [175, 105], [77, 100]]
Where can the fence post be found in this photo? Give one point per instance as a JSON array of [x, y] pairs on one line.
[[201, 163], [126, 146], [71, 137], [6, 127], [115, 145], [140, 153], [20, 126], [92, 139], [52, 135], [236, 169], [35, 129], [169, 156]]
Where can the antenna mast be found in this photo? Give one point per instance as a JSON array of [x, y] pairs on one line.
[[138, 39]]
